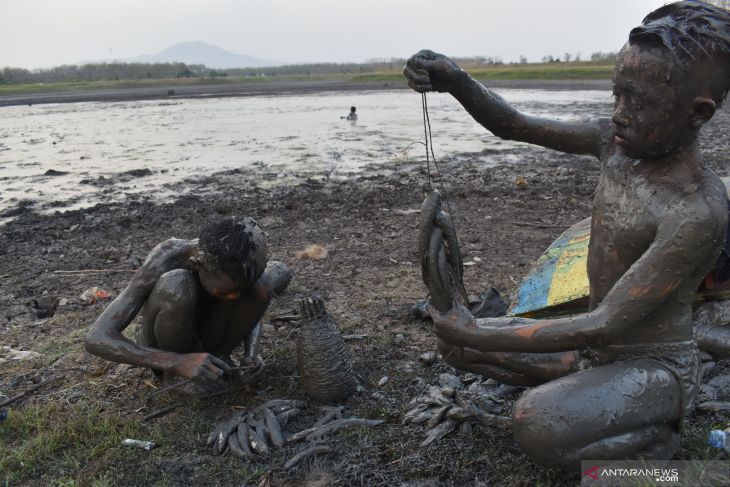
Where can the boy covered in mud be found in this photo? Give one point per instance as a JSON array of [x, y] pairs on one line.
[[616, 381], [199, 300]]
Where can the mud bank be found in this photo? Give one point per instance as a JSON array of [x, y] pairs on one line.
[[267, 88]]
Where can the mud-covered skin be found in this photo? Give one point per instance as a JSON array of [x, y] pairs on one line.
[[188, 329], [658, 224]]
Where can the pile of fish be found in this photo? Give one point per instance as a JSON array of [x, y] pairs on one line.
[[443, 407], [255, 434]]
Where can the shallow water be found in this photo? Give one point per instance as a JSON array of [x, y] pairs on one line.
[[272, 138]]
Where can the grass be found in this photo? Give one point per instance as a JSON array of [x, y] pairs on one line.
[[56, 442], [546, 71], [78, 86], [80, 445]]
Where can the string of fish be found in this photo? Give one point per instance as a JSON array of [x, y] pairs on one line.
[[442, 266]]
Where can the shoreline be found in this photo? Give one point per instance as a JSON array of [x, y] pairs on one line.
[[267, 88]]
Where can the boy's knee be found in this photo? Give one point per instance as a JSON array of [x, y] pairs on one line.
[[177, 286], [279, 276], [539, 430]]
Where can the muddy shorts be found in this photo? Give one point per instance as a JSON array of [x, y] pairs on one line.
[[681, 359]]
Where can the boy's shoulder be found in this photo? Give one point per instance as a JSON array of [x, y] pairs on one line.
[[706, 200]]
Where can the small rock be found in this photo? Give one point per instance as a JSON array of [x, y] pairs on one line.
[[121, 369], [383, 380], [114, 254], [420, 310], [400, 338], [448, 391], [450, 380], [44, 307], [427, 358], [378, 396]]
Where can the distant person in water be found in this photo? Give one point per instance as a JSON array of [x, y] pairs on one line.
[[199, 299], [352, 115]]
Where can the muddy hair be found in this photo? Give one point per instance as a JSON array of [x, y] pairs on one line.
[[231, 246], [692, 31]]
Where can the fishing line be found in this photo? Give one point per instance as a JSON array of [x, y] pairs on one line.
[[429, 148]]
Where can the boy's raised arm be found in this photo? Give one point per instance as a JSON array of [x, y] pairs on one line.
[[429, 71]]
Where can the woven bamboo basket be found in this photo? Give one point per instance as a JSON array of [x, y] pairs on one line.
[[325, 368]]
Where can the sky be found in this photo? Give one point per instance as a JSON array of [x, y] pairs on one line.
[[45, 33]]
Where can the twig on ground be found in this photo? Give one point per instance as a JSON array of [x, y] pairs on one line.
[[162, 411], [32, 389], [537, 225], [315, 450], [176, 405], [354, 337], [315, 433], [285, 318], [92, 271]]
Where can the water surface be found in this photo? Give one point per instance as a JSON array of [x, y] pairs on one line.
[[272, 137]]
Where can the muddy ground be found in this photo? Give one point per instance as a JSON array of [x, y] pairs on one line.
[[69, 431]]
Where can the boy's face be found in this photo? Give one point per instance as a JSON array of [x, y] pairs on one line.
[[651, 118], [219, 284]]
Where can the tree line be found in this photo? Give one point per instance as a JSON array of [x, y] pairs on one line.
[[103, 71], [146, 71]]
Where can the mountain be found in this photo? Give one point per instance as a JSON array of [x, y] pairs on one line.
[[199, 52]]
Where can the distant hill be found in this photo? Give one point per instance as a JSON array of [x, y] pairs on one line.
[[199, 52]]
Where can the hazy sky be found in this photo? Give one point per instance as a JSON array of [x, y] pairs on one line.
[[42, 33]]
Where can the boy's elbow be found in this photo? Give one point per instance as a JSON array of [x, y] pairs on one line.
[[95, 341]]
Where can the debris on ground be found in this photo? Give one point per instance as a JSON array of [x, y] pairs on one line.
[[313, 252], [7, 354], [94, 294], [145, 445]]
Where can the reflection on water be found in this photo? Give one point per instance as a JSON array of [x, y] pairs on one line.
[[270, 137]]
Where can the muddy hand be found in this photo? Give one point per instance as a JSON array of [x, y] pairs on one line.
[[452, 326], [202, 368], [430, 71], [254, 365]]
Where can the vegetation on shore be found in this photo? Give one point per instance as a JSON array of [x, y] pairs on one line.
[[547, 71]]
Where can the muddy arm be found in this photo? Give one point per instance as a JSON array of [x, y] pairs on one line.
[[429, 71], [105, 338], [252, 341], [678, 250]]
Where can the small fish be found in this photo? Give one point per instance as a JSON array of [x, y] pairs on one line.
[[273, 428], [256, 439]]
